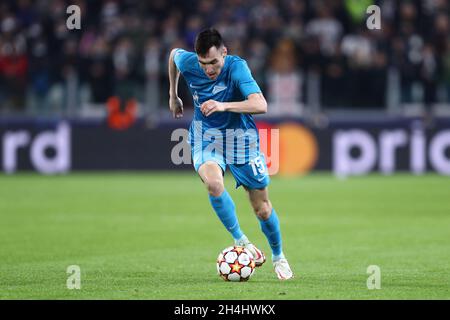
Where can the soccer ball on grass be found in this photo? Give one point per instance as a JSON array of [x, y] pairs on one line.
[[235, 264]]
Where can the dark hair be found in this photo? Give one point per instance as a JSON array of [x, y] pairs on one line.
[[207, 39]]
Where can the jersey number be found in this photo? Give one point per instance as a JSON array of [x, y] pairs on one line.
[[257, 166]]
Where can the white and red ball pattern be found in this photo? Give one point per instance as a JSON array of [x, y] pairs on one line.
[[235, 264]]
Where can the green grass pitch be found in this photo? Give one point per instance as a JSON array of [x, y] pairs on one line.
[[154, 236]]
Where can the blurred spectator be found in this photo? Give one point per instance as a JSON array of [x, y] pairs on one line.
[[67, 78], [99, 70], [284, 81], [13, 65], [124, 58], [366, 69], [152, 56], [326, 28], [429, 74], [258, 52], [446, 73], [193, 26], [39, 71], [335, 83]]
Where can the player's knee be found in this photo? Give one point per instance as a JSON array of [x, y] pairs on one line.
[[263, 210], [215, 187]]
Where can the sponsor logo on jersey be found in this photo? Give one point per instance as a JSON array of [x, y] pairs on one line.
[[218, 88]]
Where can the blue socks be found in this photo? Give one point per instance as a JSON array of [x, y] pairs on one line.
[[271, 228], [225, 210]]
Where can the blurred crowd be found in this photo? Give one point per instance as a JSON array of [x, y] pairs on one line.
[[301, 52]]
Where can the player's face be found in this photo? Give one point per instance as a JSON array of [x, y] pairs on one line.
[[212, 63]]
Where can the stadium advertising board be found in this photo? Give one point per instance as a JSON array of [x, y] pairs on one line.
[[346, 148]]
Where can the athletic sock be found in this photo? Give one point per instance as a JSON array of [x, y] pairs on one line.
[[224, 207], [271, 228], [242, 241], [278, 257]]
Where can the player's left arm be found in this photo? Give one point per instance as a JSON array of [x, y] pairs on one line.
[[255, 104]]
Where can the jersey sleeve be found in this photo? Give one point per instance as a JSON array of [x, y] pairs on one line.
[[243, 79], [180, 58]]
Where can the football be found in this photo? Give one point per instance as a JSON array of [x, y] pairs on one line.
[[235, 264]]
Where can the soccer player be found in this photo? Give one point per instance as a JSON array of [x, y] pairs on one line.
[[225, 97]]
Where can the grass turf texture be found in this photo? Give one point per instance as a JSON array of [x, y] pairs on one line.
[[155, 236]]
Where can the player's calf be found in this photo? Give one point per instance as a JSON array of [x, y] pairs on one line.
[[262, 208]]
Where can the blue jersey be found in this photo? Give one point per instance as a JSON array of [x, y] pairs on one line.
[[234, 83]]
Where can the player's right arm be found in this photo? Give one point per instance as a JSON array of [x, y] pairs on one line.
[[175, 103]]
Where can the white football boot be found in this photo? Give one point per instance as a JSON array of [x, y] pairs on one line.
[[282, 269], [257, 254]]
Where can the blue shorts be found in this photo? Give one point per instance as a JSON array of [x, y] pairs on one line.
[[253, 174]]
